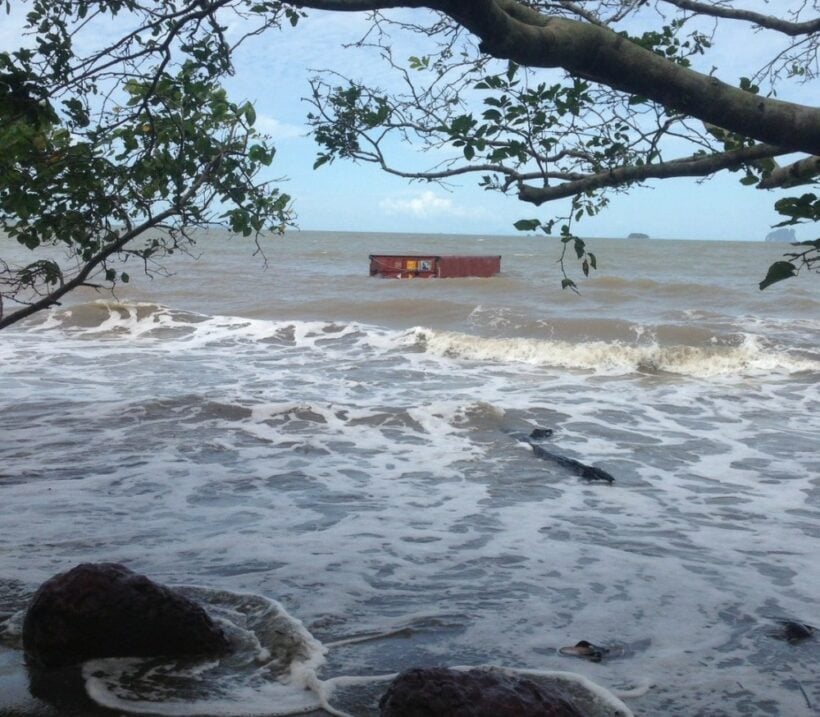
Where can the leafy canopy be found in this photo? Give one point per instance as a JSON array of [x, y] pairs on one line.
[[118, 155]]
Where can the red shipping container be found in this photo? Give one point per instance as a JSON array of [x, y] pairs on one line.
[[428, 266]]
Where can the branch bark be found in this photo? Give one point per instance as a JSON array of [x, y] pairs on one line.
[[803, 171]]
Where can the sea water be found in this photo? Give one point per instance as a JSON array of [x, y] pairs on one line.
[[345, 452]]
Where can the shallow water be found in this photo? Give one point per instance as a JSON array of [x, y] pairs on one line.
[[350, 447]]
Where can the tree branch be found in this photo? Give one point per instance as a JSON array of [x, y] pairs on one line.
[[97, 259], [508, 29], [689, 167], [792, 29], [803, 171]]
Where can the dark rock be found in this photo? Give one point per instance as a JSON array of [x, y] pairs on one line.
[[443, 692], [105, 610]]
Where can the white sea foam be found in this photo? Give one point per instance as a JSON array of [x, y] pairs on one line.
[[274, 670], [271, 672], [750, 357]]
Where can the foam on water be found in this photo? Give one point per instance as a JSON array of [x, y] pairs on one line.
[[371, 480], [273, 671], [742, 354], [749, 356]]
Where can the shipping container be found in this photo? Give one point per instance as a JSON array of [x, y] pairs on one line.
[[429, 266]]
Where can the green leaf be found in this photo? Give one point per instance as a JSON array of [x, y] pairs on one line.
[[806, 207], [322, 159], [777, 272], [593, 262], [567, 284], [250, 113], [579, 247], [527, 225]]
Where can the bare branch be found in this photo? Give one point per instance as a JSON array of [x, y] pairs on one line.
[[770, 22]]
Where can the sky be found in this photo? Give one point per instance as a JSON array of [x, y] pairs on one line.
[[273, 70]]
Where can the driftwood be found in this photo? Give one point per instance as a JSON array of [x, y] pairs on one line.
[[582, 470]]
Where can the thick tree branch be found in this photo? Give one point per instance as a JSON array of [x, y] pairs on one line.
[[357, 5], [803, 171], [688, 167]]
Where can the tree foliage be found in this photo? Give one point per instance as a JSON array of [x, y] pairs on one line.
[[116, 146], [117, 155]]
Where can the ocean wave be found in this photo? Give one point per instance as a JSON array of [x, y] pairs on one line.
[[749, 356], [145, 321], [118, 318], [608, 346]]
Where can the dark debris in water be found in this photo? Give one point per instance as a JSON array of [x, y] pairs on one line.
[[582, 470], [585, 650], [539, 434], [794, 632]]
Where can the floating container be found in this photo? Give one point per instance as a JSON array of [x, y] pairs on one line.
[[431, 266]]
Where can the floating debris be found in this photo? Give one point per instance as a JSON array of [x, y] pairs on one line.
[[792, 631], [590, 473], [538, 434], [585, 650]]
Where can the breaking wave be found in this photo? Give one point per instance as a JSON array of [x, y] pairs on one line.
[[601, 347], [749, 356]]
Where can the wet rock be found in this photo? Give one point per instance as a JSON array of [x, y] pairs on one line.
[[106, 610], [443, 692]]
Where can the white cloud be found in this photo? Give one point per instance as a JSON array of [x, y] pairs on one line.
[[425, 205], [266, 124]]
